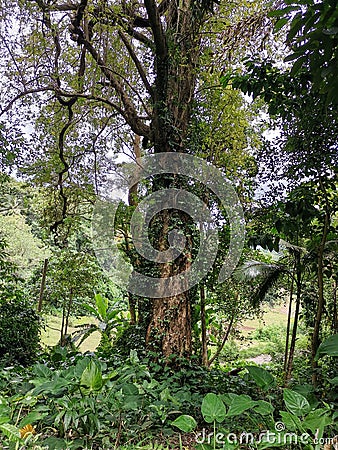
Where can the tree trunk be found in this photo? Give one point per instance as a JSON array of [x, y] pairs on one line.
[[169, 330], [43, 284], [204, 358], [335, 311], [288, 373], [320, 280], [177, 51], [224, 340], [288, 328]]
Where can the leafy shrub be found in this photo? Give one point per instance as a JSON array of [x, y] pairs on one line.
[[272, 333], [20, 332]]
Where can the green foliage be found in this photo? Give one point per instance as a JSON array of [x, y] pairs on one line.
[[20, 332], [313, 35], [110, 323], [213, 409], [262, 377], [328, 347]]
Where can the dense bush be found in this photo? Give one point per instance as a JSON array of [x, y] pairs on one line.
[[19, 332]]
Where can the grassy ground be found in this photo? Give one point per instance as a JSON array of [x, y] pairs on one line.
[[51, 334], [248, 347], [273, 323]]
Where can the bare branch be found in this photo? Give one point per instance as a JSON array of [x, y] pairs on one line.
[[23, 94]]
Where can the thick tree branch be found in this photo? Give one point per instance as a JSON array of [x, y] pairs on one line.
[[129, 112], [64, 170], [156, 27], [137, 64]]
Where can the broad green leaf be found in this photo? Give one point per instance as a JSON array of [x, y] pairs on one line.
[[228, 398], [4, 419], [328, 347], [280, 24], [32, 417], [55, 387], [263, 408], [130, 389], [291, 422], [102, 305], [262, 377], [91, 379], [132, 402], [240, 404], [90, 309], [185, 423], [318, 419], [55, 443], [41, 370], [213, 408], [67, 419], [296, 403], [334, 380]]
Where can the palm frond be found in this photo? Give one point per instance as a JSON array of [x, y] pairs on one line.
[[266, 284], [269, 274], [254, 269], [295, 249]]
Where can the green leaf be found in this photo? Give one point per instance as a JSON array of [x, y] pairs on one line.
[[298, 64], [90, 309], [296, 403], [292, 57], [280, 24], [213, 408], [328, 347], [32, 417], [291, 422], [102, 305], [132, 402], [42, 371], [263, 408], [91, 379], [185, 423], [4, 419], [10, 431], [55, 443], [318, 419], [334, 380], [55, 387], [262, 377], [240, 404]]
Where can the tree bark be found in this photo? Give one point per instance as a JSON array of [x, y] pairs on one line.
[[288, 328], [224, 340], [335, 310], [289, 367], [43, 284], [204, 340], [320, 280]]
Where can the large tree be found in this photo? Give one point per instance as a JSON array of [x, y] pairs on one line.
[[93, 72]]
